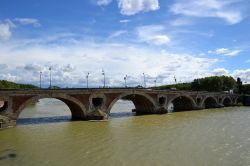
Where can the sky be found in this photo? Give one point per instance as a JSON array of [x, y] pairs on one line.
[[182, 39]]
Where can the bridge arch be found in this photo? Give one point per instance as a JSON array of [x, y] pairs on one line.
[[3, 105], [182, 103], [144, 104], [78, 110], [238, 100], [210, 102], [227, 101]]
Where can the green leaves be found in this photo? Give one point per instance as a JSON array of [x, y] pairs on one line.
[[11, 85]]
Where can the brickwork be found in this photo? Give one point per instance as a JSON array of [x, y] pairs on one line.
[[80, 101]]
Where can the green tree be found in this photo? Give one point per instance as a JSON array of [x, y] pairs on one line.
[[214, 83], [11, 85], [228, 83]]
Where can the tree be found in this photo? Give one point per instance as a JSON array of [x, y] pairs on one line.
[[214, 83], [11, 85], [228, 83]]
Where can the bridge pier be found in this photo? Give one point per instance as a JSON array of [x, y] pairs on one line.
[[97, 114]]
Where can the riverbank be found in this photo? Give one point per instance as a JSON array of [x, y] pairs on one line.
[[6, 122]]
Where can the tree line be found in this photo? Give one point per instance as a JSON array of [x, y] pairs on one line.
[[11, 85], [211, 84]]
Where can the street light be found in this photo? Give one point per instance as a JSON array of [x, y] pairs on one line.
[[40, 79], [50, 77], [155, 82], [175, 80], [87, 77], [103, 73], [199, 83], [144, 80], [125, 79]]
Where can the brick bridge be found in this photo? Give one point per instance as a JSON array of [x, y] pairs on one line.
[[95, 104]]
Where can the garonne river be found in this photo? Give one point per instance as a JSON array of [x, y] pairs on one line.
[[44, 135]]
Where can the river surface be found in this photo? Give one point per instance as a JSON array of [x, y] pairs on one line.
[[45, 136]]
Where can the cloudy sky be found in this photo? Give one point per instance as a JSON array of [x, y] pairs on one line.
[[185, 39]]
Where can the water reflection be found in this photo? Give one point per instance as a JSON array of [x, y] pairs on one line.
[[60, 119], [8, 154], [121, 114], [43, 120], [55, 111]]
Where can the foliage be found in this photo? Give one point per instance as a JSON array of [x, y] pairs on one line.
[[11, 85], [181, 86], [246, 89], [54, 87], [214, 84]]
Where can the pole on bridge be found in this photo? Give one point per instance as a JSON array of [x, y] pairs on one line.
[[40, 79], [125, 79], [103, 73], [50, 77], [175, 80], [87, 77], [144, 80]]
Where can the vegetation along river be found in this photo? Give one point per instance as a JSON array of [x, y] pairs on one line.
[[45, 136]]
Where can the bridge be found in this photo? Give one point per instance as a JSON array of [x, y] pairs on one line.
[[95, 104]]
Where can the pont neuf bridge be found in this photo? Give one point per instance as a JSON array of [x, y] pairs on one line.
[[95, 104]]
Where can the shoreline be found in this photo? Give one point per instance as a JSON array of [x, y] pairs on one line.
[[6, 123]]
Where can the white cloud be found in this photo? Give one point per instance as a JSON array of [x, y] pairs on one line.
[[27, 21], [117, 33], [131, 7], [220, 71], [125, 21], [10, 23], [5, 31], [68, 68], [221, 51], [8, 77], [159, 39], [7, 25], [209, 8], [225, 51], [3, 66], [153, 34], [70, 63], [243, 74], [33, 67], [103, 2], [181, 21], [233, 53]]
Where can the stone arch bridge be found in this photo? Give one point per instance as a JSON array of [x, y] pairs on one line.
[[95, 104]]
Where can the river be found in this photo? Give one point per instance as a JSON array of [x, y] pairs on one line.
[[45, 136]]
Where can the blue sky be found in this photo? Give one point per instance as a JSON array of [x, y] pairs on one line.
[[185, 39]]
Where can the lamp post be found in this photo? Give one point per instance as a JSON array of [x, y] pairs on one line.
[[50, 77], [199, 83], [87, 78], [103, 73], [155, 82], [40, 79], [144, 80], [125, 80]]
